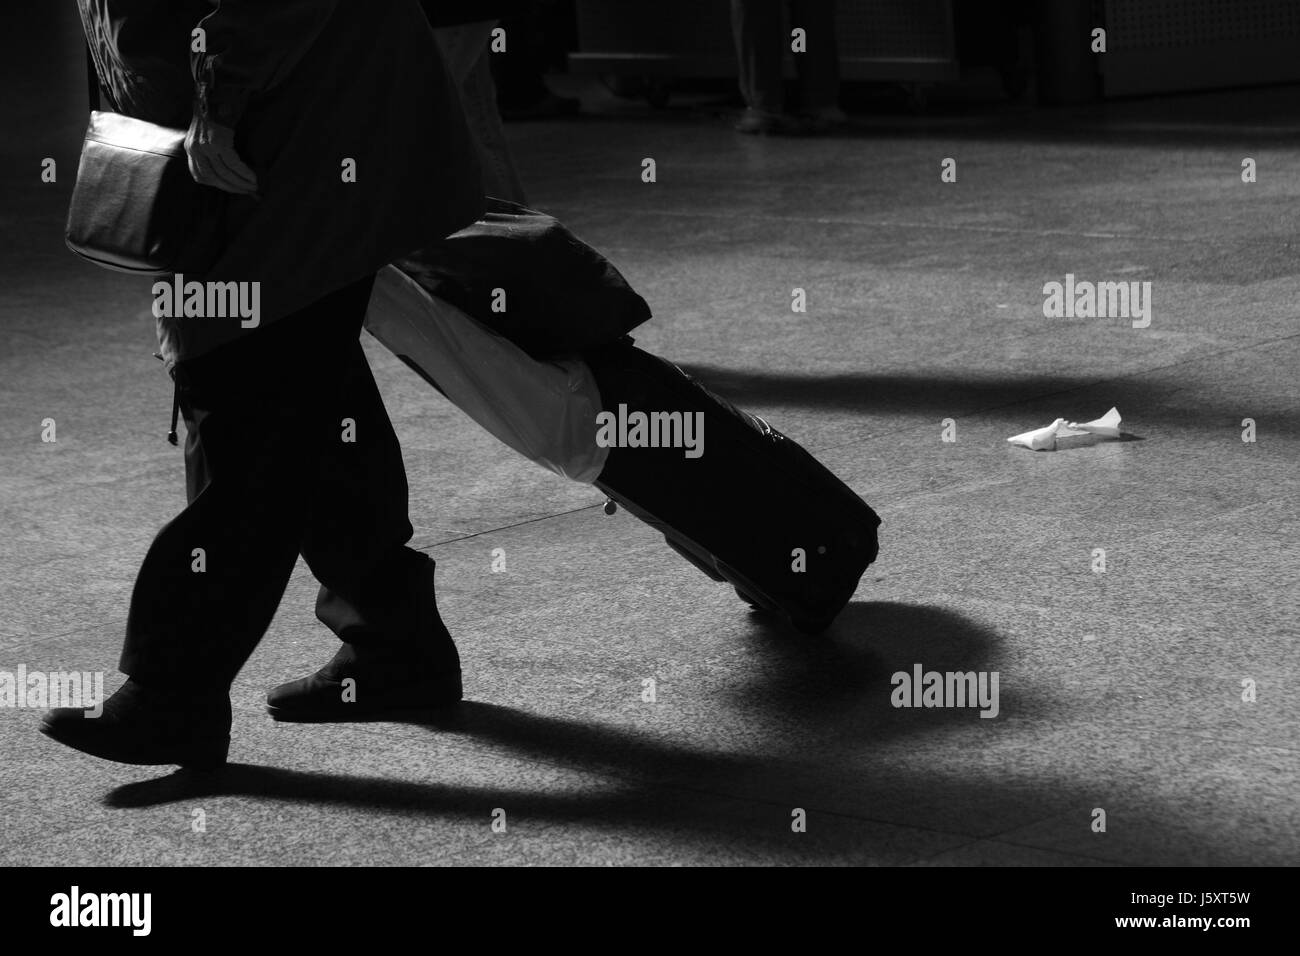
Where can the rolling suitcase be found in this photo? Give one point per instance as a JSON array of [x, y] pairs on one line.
[[753, 509]]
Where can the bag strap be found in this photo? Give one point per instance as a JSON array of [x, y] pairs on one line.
[[92, 80]]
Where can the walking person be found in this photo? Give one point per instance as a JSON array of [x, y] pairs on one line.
[[339, 140]]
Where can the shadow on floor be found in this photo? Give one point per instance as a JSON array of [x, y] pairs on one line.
[[830, 697], [864, 391], [840, 681], [946, 394]]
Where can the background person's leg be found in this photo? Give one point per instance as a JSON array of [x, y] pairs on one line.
[[819, 66], [760, 45]]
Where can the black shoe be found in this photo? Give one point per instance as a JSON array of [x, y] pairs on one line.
[[373, 673], [140, 725], [370, 691], [760, 123]]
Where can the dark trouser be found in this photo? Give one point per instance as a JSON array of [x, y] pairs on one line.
[[761, 44], [269, 476]]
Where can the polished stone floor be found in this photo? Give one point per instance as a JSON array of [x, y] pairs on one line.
[[1120, 691]]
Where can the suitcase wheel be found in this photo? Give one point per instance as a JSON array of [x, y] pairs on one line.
[[802, 624], [610, 507]]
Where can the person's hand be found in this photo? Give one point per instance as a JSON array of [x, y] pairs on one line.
[[213, 159]]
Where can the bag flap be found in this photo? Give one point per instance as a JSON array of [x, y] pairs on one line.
[[124, 132], [562, 296]]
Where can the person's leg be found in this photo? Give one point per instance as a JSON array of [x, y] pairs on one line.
[[519, 73], [259, 425], [356, 509], [206, 592], [213, 577], [376, 595], [756, 27], [819, 66]]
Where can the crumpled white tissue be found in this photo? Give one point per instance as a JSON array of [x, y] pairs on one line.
[[1044, 439]]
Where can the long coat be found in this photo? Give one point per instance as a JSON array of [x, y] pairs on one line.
[[342, 108]]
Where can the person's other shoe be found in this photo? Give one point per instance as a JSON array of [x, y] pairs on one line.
[[397, 656], [146, 726], [357, 685]]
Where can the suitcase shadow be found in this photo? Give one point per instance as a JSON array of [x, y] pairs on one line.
[[848, 679]]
